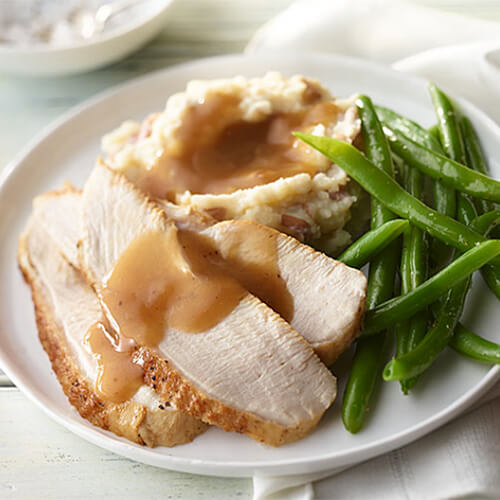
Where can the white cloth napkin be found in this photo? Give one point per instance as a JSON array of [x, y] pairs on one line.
[[462, 55], [460, 460]]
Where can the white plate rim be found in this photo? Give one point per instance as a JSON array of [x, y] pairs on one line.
[[228, 468]]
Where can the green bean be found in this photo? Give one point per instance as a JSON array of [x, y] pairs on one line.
[[491, 276], [399, 308], [444, 202], [434, 131], [417, 330], [434, 286], [486, 222], [370, 351], [419, 359], [444, 197], [449, 138], [445, 330], [442, 168], [473, 146], [369, 355], [459, 138], [475, 157], [368, 361], [461, 143], [379, 153], [402, 328], [392, 195], [448, 314], [406, 257], [476, 160], [467, 213], [424, 354], [473, 346], [372, 242], [399, 167], [413, 273], [408, 127], [382, 269], [448, 125], [468, 343], [418, 245]]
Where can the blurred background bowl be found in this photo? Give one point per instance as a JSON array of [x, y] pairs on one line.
[[85, 55]]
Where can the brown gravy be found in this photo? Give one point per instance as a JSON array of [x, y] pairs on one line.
[[184, 280], [248, 252], [220, 153], [118, 377], [163, 279]]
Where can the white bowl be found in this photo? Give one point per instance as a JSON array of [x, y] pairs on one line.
[[87, 55]]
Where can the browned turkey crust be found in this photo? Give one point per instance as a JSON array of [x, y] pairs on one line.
[[165, 380], [132, 420]]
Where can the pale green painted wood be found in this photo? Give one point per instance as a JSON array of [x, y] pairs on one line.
[[39, 459]]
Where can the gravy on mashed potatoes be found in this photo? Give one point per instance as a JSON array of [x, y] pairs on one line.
[[225, 147]]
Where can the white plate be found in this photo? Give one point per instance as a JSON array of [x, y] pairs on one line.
[[87, 55], [67, 151]]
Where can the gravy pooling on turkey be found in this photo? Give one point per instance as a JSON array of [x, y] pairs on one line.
[[195, 287], [118, 377], [192, 290]]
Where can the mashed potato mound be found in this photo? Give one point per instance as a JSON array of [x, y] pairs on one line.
[[225, 147]]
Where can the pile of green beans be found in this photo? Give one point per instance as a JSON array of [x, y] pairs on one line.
[[450, 309], [443, 332], [426, 314], [399, 308]]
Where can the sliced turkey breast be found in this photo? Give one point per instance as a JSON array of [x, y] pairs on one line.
[[66, 310], [328, 296], [58, 212], [248, 372]]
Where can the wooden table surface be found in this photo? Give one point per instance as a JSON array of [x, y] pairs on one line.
[[39, 458]]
